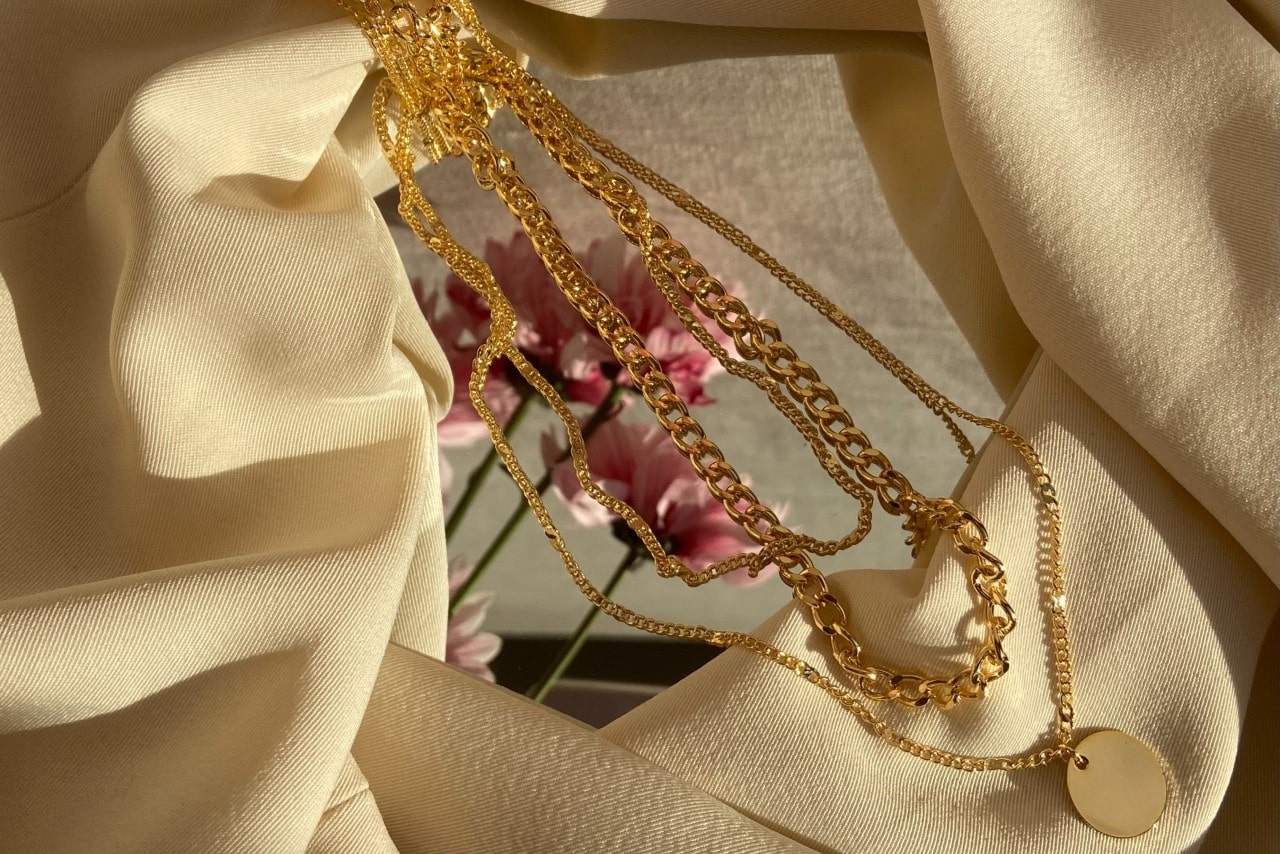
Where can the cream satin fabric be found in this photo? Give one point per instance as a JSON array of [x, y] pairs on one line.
[[223, 568]]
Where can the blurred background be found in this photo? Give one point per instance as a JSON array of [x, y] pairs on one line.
[[769, 144]]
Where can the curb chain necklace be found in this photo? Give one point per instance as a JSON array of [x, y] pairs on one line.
[[445, 79]]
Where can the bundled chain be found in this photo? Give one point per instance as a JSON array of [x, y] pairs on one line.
[[439, 94]]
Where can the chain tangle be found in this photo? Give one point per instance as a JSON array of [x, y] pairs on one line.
[[445, 78]]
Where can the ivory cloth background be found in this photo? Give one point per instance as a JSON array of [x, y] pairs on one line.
[[223, 583]]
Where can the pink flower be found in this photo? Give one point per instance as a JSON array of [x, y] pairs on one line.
[[460, 332], [620, 272], [550, 331], [559, 342], [639, 464], [465, 646]]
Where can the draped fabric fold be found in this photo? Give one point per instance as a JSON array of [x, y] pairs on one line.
[[222, 564]]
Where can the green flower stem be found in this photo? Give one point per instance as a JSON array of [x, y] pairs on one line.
[[504, 533], [484, 469], [598, 416], [568, 652]]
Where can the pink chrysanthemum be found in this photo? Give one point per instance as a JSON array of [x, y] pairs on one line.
[[620, 271], [465, 646], [638, 464], [460, 332], [560, 344]]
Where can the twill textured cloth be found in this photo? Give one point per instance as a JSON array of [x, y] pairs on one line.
[[222, 563]]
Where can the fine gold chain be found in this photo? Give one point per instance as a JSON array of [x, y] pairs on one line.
[[439, 94]]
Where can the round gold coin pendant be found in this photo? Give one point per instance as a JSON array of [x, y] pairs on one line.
[[1121, 791]]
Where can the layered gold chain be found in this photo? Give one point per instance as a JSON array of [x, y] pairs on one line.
[[439, 93]]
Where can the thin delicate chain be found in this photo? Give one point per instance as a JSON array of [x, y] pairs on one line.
[[442, 89]]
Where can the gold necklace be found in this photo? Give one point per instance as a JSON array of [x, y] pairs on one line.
[[440, 91]]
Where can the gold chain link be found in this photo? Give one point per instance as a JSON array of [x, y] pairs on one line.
[[438, 96]]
